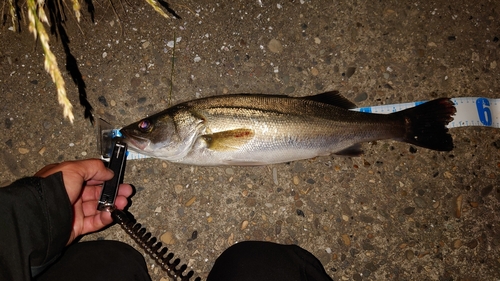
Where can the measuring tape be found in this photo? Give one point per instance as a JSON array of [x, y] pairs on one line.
[[471, 111]]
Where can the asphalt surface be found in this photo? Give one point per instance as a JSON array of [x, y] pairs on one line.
[[398, 212]]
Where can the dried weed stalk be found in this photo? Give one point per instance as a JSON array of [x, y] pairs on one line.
[[37, 17]]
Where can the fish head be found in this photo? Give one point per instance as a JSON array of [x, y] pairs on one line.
[[155, 136]]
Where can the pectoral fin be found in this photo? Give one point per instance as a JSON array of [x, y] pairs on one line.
[[228, 140]]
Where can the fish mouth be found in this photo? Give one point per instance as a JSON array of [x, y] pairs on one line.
[[135, 142]]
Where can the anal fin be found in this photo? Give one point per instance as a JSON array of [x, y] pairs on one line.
[[351, 151]]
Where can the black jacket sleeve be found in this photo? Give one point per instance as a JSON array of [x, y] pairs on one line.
[[35, 225]]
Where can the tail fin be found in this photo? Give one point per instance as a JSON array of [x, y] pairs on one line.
[[426, 124]]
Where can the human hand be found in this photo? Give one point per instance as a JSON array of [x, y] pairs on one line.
[[83, 182]]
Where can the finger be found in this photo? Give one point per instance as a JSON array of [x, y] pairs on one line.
[[121, 202], [45, 171], [94, 192], [94, 182], [125, 189], [91, 193], [92, 219], [92, 169], [96, 222], [89, 169], [90, 207]]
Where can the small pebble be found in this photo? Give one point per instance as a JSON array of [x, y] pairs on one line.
[[230, 239], [361, 97], [229, 171], [486, 191], [314, 71], [145, 44], [457, 243], [458, 206], [244, 225], [420, 202], [194, 235], [317, 40], [472, 244], [389, 12], [409, 210], [171, 43], [346, 239], [475, 56], [409, 255], [8, 123], [178, 188], [275, 176], [275, 46], [42, 150], [300, 213], [190, 201], [103, 100], [350, 71], [112, 103], [135, 82], [23, 150], [168, 238]]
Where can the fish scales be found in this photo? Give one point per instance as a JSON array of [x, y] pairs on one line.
[[262, 129]]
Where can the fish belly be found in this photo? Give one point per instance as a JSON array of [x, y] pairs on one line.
[[281, 138]]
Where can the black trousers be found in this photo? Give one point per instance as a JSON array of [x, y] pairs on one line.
[[103, 260], [246, 261]]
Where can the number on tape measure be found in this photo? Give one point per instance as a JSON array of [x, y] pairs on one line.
[[483, 111]]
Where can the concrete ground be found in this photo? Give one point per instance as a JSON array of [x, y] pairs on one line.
[[396, 213]]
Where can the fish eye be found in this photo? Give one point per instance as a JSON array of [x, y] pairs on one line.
[[145, 126]]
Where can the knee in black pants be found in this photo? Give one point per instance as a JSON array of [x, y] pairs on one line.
[[266, 261], [98, 260]]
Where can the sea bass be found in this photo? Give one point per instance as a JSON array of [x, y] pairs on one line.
[[255, 129]]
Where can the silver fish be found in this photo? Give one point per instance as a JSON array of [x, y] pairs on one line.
[[251, 129]]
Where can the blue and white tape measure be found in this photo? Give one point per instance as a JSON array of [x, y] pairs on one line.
[[471, 111]]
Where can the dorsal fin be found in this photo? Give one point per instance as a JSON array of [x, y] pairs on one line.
[[332, 98]]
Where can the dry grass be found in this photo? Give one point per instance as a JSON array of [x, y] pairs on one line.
[[37, 22]]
